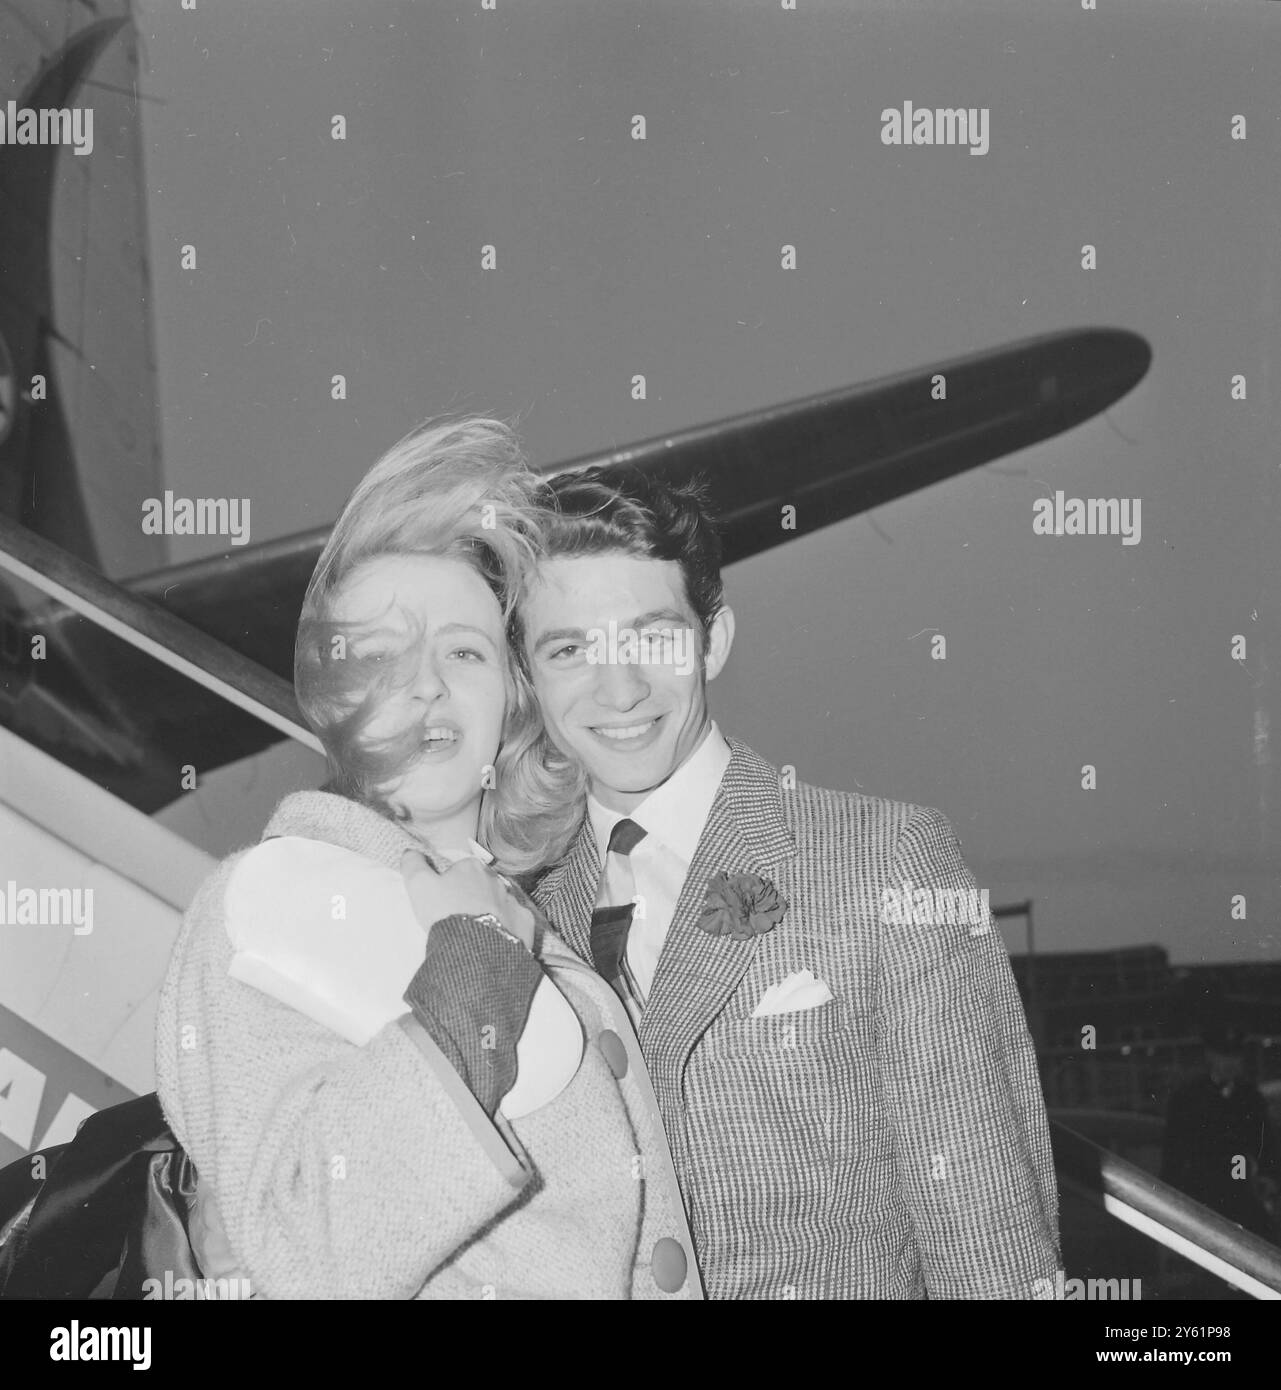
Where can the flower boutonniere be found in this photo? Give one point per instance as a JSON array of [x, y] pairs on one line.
[[741, 906]]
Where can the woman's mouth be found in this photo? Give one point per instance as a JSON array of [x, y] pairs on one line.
[[440, 740]]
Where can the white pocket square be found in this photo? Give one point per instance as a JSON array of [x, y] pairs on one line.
[[801, 990]]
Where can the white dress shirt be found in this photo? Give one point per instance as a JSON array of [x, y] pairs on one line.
[[672, 816]]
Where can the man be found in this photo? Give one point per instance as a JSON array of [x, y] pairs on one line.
[[1219, 1146], [849, 1090]]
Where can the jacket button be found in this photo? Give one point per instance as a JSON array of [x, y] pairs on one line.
[[615, 1052], [668, 1264]]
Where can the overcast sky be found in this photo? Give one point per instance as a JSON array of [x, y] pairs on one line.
[[615, 256]]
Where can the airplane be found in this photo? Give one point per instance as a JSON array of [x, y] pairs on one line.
[[98, 727]]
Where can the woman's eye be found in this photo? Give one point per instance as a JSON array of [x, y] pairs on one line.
[[563, 653], [468, 654]]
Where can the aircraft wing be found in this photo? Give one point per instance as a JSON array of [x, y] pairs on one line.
[[831, 456], [839, 454]]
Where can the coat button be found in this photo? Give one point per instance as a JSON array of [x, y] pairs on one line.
[[615, 1052], [668, 1264]]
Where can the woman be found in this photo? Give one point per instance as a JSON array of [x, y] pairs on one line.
[[343, 1152]]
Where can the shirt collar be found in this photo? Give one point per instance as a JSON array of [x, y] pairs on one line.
[[676, 812]]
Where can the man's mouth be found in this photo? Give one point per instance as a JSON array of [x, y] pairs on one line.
[[624, 736]]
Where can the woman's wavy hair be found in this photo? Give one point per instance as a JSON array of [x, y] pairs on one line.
[[459, 488]]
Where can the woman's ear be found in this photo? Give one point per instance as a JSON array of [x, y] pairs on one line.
[[720, 638]]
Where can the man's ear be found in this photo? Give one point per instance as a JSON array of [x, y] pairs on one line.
[[719, 641]]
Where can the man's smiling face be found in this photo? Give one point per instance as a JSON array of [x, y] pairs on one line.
[[631, 723]]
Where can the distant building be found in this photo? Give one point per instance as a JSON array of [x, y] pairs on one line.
[[1117, 1030], [1123, 995]]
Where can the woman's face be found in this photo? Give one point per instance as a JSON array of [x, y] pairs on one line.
[[455, 692]]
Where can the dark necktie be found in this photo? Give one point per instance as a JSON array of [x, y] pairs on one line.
[[615, 905]]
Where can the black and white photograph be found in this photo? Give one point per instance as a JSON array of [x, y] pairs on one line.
[[638, 646]]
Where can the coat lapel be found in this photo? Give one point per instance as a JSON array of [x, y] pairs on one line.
[[697, 973], [568, 893], [746, 832]]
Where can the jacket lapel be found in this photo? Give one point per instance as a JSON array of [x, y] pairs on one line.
[[568, 893], [746, 832], [697, 973]]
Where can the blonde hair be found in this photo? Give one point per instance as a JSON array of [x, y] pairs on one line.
[[461, 489]]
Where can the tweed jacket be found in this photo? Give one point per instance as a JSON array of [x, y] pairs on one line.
[[340, 1171], [890, 1143]]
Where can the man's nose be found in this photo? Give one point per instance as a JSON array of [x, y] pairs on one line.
[[621, 686]]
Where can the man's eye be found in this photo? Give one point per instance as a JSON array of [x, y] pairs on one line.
[[468, 654]]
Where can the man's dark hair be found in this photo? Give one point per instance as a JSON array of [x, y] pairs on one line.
[[620, 508]]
